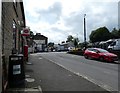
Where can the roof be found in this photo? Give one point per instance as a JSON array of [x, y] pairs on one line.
[[39, 37]]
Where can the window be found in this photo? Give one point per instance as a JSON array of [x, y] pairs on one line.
[[114, 43], [95, 50]]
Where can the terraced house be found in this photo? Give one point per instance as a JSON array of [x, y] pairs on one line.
[[11, 41]]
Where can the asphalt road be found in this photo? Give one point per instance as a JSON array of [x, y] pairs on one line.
[[101, 73]]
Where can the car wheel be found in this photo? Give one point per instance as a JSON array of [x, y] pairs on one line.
[[86, 56], [101, 59]]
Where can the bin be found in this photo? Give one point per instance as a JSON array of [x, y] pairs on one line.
[[16, 73]]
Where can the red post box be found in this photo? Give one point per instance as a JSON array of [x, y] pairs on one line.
[[26, 52]]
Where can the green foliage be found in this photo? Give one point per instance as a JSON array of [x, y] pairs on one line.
[[100, 34], [76, 40], [119, 33], [70, 38], [51, 44], [73, 39], [115, 33]]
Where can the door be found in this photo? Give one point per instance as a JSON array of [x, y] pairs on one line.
[[95, 53]]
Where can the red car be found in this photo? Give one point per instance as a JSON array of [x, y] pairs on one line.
[[100, 54]]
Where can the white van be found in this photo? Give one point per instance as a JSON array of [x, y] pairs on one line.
[[115, 45]]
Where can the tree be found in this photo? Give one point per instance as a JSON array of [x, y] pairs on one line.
[[76, 40], [70, 38], [51, 44], [115, 33], [100, 34], [119, 33], [92, 36]]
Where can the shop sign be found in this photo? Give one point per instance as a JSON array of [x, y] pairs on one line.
[[25, 32]]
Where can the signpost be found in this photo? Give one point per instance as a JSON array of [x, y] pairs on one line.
[[84, 31]]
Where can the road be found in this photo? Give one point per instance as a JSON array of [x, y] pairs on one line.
[[101, 73]]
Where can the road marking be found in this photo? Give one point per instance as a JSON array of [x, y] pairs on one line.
[[106, 72], [35, 54], [69, 75], [37, 89], [40, 58], [112, 64], [102, 85], [40, 89]]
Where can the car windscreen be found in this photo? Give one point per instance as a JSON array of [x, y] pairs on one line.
[[103, 51]]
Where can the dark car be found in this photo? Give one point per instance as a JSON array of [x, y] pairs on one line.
[[101, 54]]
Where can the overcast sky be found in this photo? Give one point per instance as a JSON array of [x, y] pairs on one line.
[[56, 19]]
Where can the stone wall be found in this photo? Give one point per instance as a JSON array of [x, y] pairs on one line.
[[11, 13]]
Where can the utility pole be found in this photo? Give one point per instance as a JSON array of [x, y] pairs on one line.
[[118, 15], [84, 31]]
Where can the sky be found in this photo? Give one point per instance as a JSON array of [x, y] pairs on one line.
[[57, 19]]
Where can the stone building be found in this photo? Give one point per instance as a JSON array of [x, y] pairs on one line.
[[13, 21], [41, 42]]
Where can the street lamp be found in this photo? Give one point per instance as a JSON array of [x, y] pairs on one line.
[[84, 31]]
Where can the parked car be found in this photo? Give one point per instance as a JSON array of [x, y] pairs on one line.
[[101, 54], [115, 45]]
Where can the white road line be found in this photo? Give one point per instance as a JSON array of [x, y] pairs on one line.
[[106, 72], [40, 58], [40, 89], [104, 86], [24, 90]]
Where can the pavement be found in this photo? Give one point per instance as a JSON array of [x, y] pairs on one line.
[[42, 76]]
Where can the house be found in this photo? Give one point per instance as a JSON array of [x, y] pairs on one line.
[[40, 42], [13, 21], [64, 46]]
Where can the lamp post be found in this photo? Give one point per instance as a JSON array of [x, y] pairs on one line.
[[84, 31]]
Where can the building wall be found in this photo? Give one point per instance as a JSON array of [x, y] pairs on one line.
[[40, 37], [7, 28], [10, 12]]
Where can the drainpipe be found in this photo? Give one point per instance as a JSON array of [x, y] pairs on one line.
[[0, 46]]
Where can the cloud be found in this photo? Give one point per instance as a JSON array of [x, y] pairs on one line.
[[57, 19], [52, 14]]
